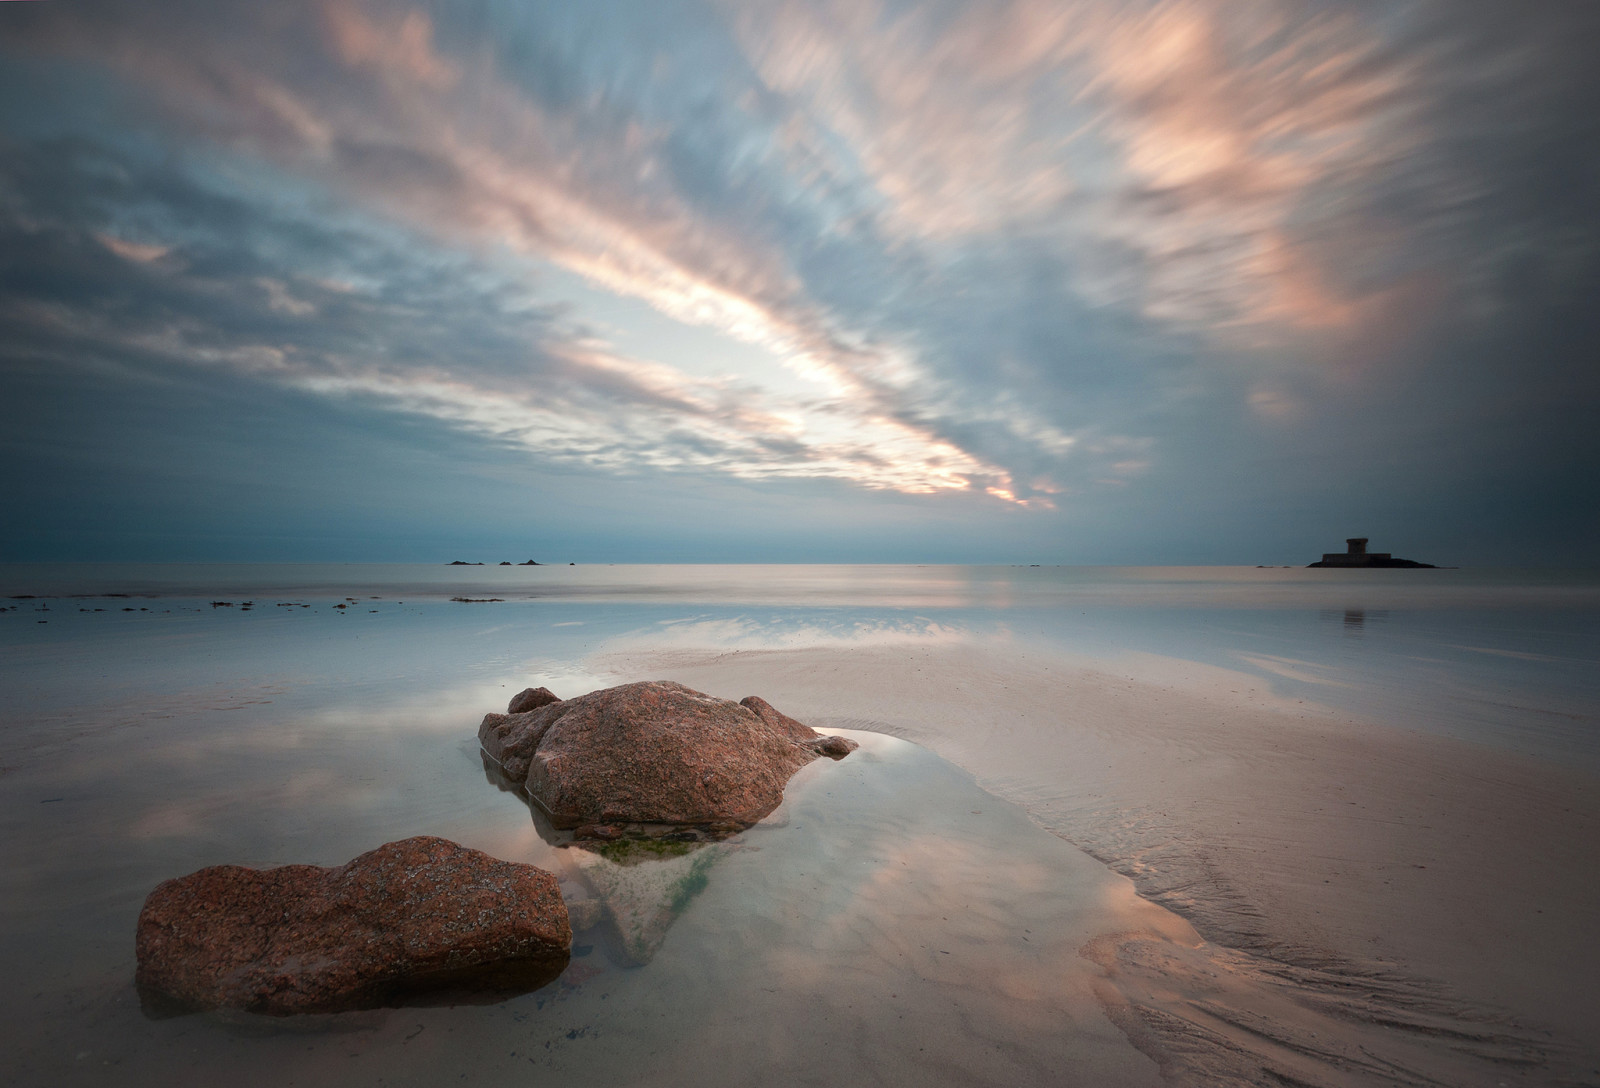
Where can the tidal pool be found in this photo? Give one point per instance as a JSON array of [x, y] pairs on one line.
[[891, 923]]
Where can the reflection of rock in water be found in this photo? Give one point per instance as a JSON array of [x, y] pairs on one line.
[[642, 896], [643, 781], [641, 886], [1354, 619]]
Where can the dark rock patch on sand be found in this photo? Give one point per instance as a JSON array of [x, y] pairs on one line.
[[419, 919]]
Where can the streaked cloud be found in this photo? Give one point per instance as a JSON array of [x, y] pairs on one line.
[[1026, 250], [461, 341]]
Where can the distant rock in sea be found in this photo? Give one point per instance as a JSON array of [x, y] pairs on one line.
[[1356, 555], [529, 563], [419, 918], [462, 563], [651, 759]]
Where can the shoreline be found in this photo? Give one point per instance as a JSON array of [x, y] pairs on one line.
[[1358, 885], [1302, 897]]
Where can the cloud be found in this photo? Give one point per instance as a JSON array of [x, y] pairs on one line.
[[142, 252], [1030, 250], [341, 307], [377, 122]]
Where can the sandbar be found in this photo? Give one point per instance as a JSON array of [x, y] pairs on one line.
[[1379, 905]]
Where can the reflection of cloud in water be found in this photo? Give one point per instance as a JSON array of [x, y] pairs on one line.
[[277, 781], [779, 633], [938, 903], [1517, 655], [1292, 669], [903, 907], [308, 788]]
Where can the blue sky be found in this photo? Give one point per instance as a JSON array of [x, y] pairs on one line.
[[1212, 281]]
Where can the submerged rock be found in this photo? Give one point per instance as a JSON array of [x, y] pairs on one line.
[[643, 892], [653, 758], [412, 919], [585, 912]]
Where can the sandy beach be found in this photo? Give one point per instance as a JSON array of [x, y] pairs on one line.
[[1140, 845], [1378, 905]]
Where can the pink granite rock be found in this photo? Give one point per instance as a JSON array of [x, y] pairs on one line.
[[654, 753], [511, 739], [418, 917], [531, 699]]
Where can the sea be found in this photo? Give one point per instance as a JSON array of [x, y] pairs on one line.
[[160, 718]]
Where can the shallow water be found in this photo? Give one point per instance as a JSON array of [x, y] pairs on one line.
[[890, 923], [1503, 657], [147, 736]]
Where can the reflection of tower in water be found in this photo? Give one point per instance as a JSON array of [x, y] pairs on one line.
[[1355, 621]]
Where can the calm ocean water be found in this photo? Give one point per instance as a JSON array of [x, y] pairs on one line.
[[1505, 657], [149, 729]]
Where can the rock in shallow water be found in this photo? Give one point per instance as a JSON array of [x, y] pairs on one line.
[[531, 699], [412, 919], [654, 753]]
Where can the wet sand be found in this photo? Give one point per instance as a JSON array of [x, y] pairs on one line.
[[1380, 906], [1320, 901], [890, 924]]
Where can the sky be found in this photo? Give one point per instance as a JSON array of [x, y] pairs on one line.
[[1031, 281]]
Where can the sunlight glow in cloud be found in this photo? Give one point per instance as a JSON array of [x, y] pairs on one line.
[[1029, 250]]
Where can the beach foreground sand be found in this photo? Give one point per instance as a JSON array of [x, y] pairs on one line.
[[1379, 905]]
